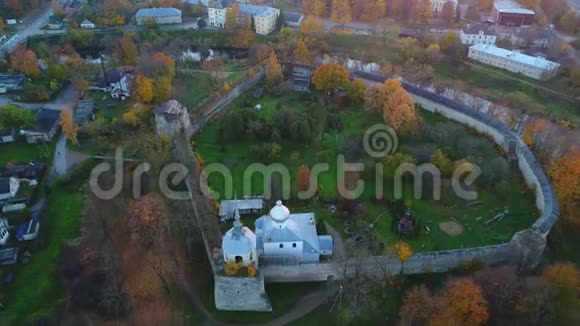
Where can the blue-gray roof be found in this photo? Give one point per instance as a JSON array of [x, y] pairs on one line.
[[326, 243], [158, 12], [255, 10]]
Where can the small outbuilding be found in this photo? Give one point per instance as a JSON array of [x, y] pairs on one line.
[[242, 206], [171, 118], [8, 188], [45, 127], [87, 24], [6, 136]]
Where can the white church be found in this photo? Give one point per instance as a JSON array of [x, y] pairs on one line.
[[291, 237]]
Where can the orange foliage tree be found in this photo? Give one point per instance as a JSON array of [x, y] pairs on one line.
[[533, 129], [69, 127], [144, 89], [356, 91], [303, 177], [462, 303], [25, 61], [418, 307], [129, 50], [329, 76], [341, 11], [395, 104], [565, 174], [301, 53], [273, 68]]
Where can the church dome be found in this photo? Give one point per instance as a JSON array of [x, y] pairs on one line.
[[279, 213]]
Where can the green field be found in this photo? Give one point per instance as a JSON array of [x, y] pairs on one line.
[[509, 194], [36, 288], [22, 152]]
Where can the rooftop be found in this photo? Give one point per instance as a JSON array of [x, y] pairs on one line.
[[512, 7], [227, 207], [516, 56], [254, 10], [9, 78], [157, 12], [171, 107], [46, 119], [476, 28], [292, 17]]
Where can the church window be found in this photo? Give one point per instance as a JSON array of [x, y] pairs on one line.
[[281, 245], [294, 245]]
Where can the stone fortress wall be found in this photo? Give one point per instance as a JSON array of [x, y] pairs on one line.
[[524, 249]]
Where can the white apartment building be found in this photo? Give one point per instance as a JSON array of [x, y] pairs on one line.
[[216, 11], [533, 67], [437, 5], [477, 33], [264, 18]]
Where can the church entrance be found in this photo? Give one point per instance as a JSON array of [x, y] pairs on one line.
[[239, 259]]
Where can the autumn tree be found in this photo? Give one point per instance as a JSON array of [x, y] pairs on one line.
[[462, 303], [533, 129], [418, 307], [232, 14], [568, 22], [25, 61], [273, 68], [433, 53], [356, 91], [442, 162], [214, 67], [162, 89], [144, 89], [329, 76], [303, 177], [145, 215], [564, 172], [472, 13], [564, 279], [448, 12], [129, 51], [301, 53], [320, 8], [79, 83], [12, 116], [395, 104], [425, 10], [484, 4], [245, 35], [69, 127], [341, 11], [397, 8], [312, 33]]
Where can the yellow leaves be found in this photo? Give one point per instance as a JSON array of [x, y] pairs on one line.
[[395, 104], [329, 76], [565, 174], [144, 89], [402, 250], [231, 269], [252, 271], [532, 129], [563, 275], [69, 127], [273, 68], [227, 87], [356, 91], [301, 53], [442, 162], [462, 303]]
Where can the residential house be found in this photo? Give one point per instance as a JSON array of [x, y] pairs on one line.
[[8, 188], [10, 82], [533, 37], [264, 18], [87, 24], [477, 33], [158, 15], [45, 127], [6, 135], [171, 118], [9, 255], [300, 78], [216, 11], [533, 67], [122, 89], [243, 206], [4, 231], [293, 19], [84, 111], [29, 230]]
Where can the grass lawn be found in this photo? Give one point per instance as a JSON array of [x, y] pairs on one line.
[[191, 88], [22, 152], [36, 289], [509, 194], [496, 84]]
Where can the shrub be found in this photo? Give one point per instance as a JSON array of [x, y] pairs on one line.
[[231, 269]]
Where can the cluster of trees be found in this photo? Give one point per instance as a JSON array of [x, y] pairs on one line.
[[10, 9], [287, 124], [498, 295], [15, 117], [44, 82], [155, 73], [394, 103], [345, 11]]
